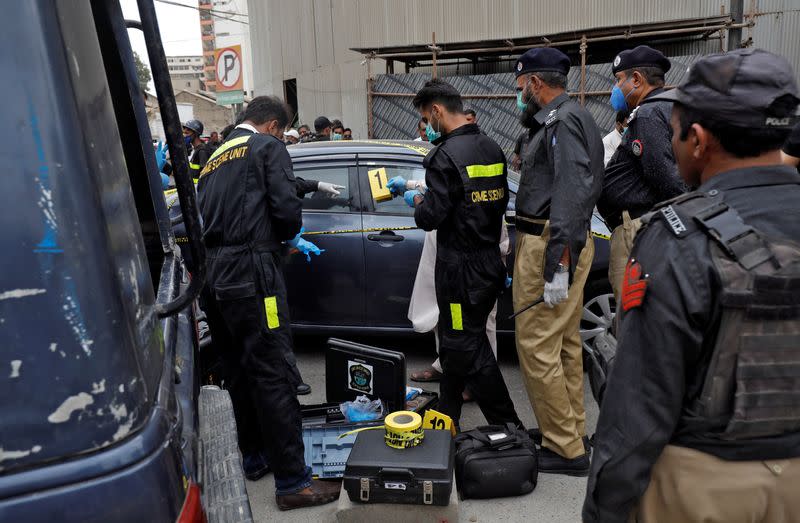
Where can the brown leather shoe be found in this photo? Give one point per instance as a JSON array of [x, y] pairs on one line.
[[319, 493]]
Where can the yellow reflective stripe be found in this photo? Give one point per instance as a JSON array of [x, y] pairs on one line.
[[196, 180], [194, 165], [229, 144], [455, 313], [271, 307], [484, 171]]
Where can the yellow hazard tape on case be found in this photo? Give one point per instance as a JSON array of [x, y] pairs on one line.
[[455, 313], [402, 430], [271, 308], [484, 171]]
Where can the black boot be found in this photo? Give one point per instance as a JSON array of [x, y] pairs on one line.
[[552, 463]]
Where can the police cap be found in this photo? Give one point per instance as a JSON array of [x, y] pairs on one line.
[[542, 59], [641, 56], [745, 88]]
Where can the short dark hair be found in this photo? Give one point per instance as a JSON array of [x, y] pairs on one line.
[[470, 111], [321, 123], [623, 115], [226, 131], [304, 125], [337, 126], [552, 78], [654, 76], [337, 123], [440, 92], [741, 142], [348, 129], [262, 109]]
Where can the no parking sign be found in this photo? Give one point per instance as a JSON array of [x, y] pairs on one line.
[[228, 62]]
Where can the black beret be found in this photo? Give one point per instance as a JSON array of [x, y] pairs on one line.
[[642, 56], [745, 88], [543, 59]]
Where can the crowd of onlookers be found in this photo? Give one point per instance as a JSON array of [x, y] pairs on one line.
[[324, 130]]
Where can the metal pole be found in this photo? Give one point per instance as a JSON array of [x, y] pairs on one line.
[[735, 33], [433, 51], [369, 97], [583, 68]]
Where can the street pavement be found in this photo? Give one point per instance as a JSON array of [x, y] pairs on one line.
[[556, 498]]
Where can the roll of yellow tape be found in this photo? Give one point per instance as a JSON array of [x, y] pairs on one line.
[[403, 429]]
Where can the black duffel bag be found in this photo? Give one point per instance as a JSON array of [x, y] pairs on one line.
[[495, 461]]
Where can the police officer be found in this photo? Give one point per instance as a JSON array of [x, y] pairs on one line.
[[200, 151], [642, 171], [248, 200], [562, 170], [700, 418], [466, 196]]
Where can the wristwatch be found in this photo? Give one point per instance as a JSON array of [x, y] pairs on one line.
[[561, 268]]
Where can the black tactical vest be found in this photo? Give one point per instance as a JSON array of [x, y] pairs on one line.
[[752, 387]]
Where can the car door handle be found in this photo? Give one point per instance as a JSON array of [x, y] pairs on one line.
[[385, 236]]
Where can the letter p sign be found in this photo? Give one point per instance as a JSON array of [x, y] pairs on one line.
[[229, 68]]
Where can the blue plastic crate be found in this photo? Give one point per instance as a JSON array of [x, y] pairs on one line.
[[325, 453]]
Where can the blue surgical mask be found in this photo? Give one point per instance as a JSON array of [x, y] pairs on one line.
[[431, 134], [336, 136], [619, 101], [520, 104], [187, 140]]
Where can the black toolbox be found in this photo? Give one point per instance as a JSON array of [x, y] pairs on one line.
[[353, 369], [421, 475]]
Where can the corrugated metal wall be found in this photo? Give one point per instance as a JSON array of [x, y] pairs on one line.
[[310, 40], [395, 117]]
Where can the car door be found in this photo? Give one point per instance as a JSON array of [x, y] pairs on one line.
[[328, 291], [392, 244]]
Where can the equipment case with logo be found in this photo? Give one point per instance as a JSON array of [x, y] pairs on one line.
[[353, 369], [421, 475]]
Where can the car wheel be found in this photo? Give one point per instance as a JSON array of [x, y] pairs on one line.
[[597, 319]]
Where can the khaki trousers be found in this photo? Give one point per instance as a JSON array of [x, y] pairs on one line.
[[549, 346], [689, 485], [621, 245]]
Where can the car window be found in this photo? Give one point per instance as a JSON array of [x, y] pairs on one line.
[[320, 201], [397, 205]]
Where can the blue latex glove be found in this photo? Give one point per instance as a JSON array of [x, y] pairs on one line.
[[508, 282], [396, 185], [161, 155], [164, 181], [408, 196], [304, 246]]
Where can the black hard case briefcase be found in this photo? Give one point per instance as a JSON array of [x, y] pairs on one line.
[[353, 369], [421, 475]]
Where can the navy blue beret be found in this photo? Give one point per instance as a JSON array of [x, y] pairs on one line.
[[641, 56], [543, 59]]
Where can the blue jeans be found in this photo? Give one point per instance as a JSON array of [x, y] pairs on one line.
[[292, 484]]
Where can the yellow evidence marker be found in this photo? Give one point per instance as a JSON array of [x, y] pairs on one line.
[[378, 185]]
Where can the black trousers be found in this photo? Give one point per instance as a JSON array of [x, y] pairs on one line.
[[250, 324], [467, 286]]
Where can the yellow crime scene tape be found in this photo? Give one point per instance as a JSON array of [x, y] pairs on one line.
[[403, 429], [350, 231]]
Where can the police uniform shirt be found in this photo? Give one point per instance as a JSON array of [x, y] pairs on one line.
[[561, 177], [466, 218], [642, 172], [247, 193], [666, 341], [792, 145]]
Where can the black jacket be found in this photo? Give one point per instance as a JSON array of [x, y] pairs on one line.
[[467, 191], [561, 176], [642, 172], [200, 156], [247, 193], [666, 342]]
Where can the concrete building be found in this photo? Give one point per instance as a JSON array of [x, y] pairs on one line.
[[303, 50], [214, 117], [186, 73]]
